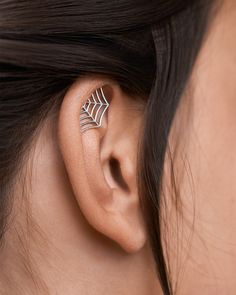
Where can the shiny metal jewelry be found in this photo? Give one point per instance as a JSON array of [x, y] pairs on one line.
[[93, 110]]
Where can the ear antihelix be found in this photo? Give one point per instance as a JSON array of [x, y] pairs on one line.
[[93, 110]]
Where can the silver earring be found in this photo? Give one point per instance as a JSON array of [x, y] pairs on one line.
[[93, 110]]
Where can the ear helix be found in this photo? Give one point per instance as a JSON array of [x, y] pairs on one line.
[[93, 110]]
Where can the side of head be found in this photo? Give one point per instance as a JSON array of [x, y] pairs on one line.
[[52, 59]]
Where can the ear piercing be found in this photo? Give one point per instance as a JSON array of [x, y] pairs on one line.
[[93, 110]]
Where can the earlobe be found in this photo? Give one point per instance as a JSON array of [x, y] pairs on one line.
[[100, 158]]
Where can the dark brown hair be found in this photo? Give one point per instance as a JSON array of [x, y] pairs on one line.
[[148, 47]]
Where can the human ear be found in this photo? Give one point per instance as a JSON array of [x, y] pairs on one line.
[[101, 162]]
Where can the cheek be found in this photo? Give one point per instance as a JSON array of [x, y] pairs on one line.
[[204, 224]]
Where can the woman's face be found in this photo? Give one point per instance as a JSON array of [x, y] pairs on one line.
[[205, 165]]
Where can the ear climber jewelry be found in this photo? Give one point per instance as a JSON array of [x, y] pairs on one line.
[[93, 110]]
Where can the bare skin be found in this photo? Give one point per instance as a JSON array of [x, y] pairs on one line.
[[207, 264], [75, 229]]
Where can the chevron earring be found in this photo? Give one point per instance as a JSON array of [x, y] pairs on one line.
[[93, 110]]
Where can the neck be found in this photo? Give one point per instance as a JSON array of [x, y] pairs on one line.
[[51, 249]]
